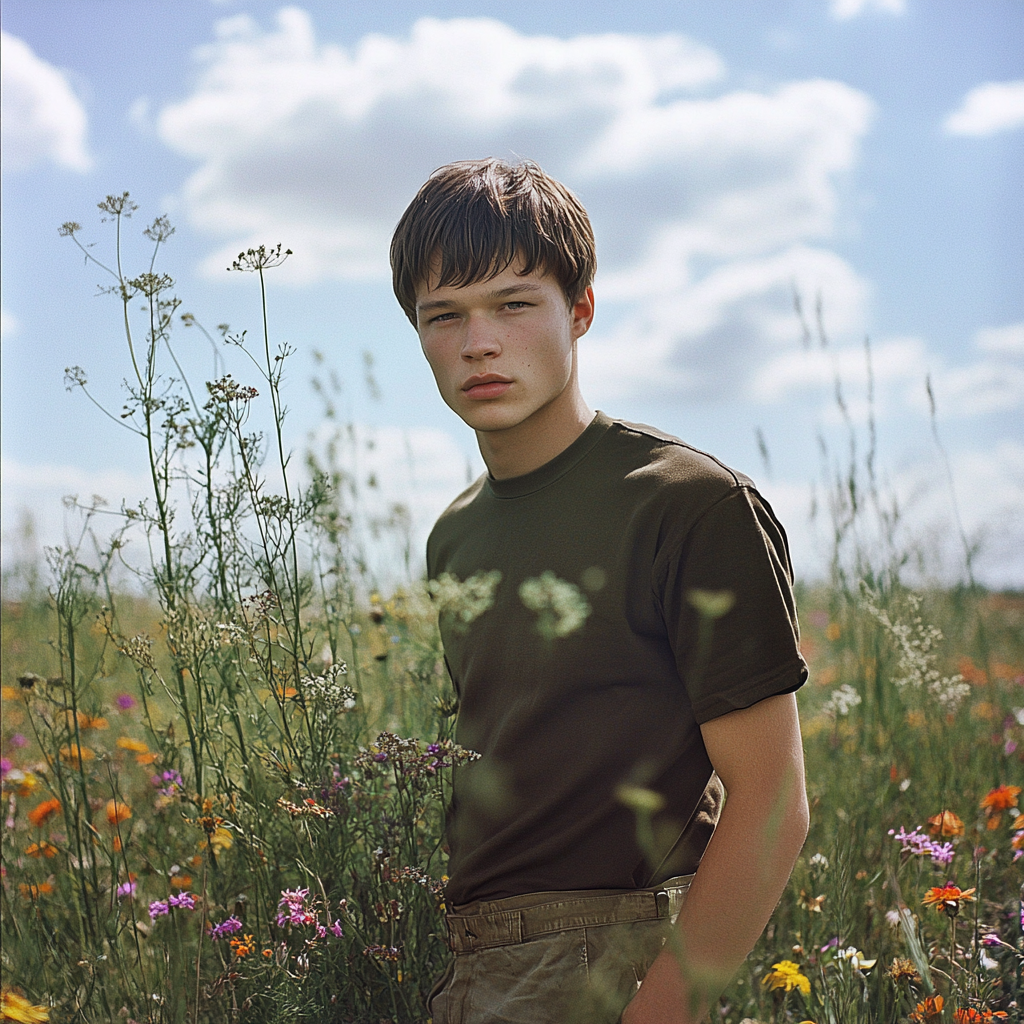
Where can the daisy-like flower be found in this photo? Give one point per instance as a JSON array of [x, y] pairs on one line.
[[929, 1012], [969, 1015], [901, 969], [786, 976], [42, 813], [945, 823], [948, 898], [1002, 798], [117, 812], [857, 959]]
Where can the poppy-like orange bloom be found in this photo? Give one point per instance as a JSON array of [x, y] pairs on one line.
[[1000, 799], [244, 946], [16, 1007], [973, 1016], [43, 812], [929, 1012], [137, 746], [948, 898], [33, 892], [41, 849], [76, 755], [181, 881], [117, 812], [945, 823]]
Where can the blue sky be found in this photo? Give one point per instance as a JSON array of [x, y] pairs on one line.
[[867, 151]]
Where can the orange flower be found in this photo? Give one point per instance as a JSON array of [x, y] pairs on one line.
[[928, 1012], [948, 898], [945, 823], [1002, 798], [41, 849], [117, 812], [43, 812], [33, 892], [145, 758], [126, 743], [75, 755], [181, 881], [972, 1016], [244, 946]]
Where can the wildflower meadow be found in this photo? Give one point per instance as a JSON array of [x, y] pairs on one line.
[[225, 763]]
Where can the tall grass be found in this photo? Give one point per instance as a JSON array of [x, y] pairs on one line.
[[225, 785]]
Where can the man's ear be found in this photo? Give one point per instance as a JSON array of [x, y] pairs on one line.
[[583, 313]]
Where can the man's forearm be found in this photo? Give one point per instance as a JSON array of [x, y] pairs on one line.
[[740, 880]]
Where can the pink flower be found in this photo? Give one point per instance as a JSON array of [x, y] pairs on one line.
[[158, 908], [125, 701], [127, 889]]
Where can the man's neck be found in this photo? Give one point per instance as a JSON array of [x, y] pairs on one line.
[[529, 445]]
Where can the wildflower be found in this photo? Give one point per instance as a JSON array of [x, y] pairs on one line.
[[811, 903], [379, 953], [220, 841], [1017, 843], [117, 812], [17, 740], [88, 722], [126, 743], [903, 970], [786, 975], [158, 908], [918, 843], [14, 1007], [945, 823], [559, 605], [170, 783], [41, 849], [184, 899], [76, 755], [973, 1016], [293, 910], [243, 946], [1002, 798], [33, 892], [125, 701], [856, 958], [227, 927], [42, 813], [126, 889], [928, 1012], [948, 898], [181, 881], [841, 702], [819, 861]]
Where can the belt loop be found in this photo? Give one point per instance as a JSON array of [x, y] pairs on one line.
[[662, 899]]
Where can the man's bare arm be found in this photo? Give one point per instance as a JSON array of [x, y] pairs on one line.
[[758, 755]]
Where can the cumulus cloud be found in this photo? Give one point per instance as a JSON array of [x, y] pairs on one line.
[[994, 381], [42, 118], [987, 109], [699, 194], [843, 10]]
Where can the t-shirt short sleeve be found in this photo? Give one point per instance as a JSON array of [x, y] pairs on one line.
[[725, 590]]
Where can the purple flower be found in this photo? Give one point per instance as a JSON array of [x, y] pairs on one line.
[[17, 740], [125, 701], [157, 908], [128, 888], [433, 748], [292, 908], [336, 929], [232, 924], [380, 757], [991, 939], [6, 764], [170, 783], [185, 899], [831, 944]]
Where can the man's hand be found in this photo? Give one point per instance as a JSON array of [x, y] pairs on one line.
[[759, 757]]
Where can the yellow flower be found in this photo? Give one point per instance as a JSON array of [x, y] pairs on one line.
[[126, 743], [945, 823], [17, 1008], [856, 958], [41, 849], [786, 975]]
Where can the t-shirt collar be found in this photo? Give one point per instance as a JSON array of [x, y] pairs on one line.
[[519, 486]]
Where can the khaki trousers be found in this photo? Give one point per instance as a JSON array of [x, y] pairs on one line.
[[553, 958]]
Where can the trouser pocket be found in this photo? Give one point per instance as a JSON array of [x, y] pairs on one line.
[[436, 989]]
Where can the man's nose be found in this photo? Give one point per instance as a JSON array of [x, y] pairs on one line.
[[481, 339]]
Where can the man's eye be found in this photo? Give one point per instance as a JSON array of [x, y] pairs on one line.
[[442, 318], [516, 305]]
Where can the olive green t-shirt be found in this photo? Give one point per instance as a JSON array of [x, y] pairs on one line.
[[585, 665]]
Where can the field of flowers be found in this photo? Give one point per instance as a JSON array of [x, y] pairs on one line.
[[224, 783]]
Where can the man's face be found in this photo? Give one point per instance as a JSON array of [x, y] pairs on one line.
[[502, 349]]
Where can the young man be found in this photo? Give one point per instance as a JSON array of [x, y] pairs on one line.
[[633, 640]]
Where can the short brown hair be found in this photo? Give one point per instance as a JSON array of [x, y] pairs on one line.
[[472, 219]]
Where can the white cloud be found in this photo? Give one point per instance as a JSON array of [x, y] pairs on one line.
[[42, 118], [843, 10], [9, 325], [989, 108], [705, 205], [1008, 340]]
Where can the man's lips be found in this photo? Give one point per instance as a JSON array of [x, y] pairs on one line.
[[488, 385]]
